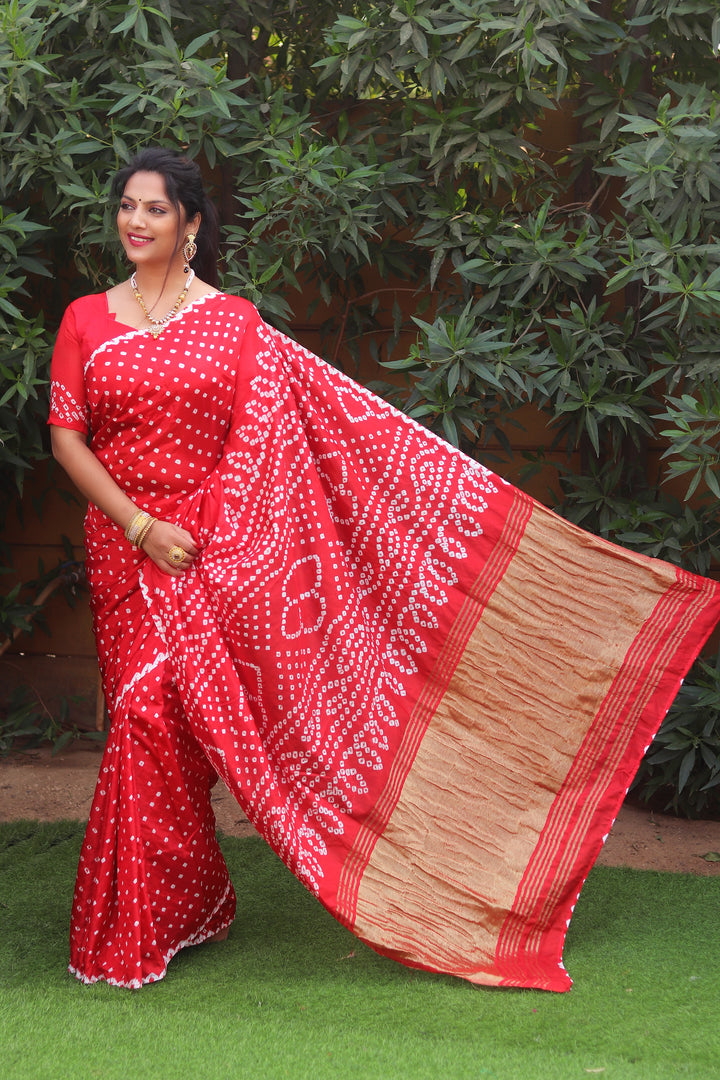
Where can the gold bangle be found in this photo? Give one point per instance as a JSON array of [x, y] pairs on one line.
[[139, 523], [132, 523], [137, 529], [141, 538]]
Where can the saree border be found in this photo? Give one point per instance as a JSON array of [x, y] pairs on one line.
[[427, 702], [532, 937]]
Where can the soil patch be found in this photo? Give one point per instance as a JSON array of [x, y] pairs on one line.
[[39, 786]]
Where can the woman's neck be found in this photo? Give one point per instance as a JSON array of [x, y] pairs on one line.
[[160, 283]]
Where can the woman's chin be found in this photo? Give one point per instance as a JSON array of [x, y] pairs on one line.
[[144, 254]]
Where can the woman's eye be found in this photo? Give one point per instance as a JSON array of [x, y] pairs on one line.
[[128, 208]]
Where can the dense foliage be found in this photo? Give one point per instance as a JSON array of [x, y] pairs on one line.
[[537, 181]]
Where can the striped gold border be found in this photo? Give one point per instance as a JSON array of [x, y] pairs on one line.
[[560, 848], [427, 702]]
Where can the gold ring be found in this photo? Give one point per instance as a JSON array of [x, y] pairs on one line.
[[175, 555]]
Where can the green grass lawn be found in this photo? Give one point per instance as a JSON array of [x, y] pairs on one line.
[[292, 994]]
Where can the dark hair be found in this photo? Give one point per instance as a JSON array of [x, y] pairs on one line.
[[184, 186]]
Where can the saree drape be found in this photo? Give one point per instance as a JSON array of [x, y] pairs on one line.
[[427, 692]]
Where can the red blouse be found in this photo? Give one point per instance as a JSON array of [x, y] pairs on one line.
[[157, 409]]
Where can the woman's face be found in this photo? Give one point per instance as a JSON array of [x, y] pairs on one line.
[[151, 230]]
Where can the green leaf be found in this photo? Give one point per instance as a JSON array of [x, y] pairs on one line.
[[128, 22], [197, 43], [686, 767]]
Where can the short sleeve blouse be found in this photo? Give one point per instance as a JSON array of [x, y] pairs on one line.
[[86, 324]]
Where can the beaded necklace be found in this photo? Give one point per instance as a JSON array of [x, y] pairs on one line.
[[158, 325]]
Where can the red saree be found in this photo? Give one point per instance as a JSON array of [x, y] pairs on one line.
[[428, 693]]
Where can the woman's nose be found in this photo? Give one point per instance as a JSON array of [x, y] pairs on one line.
[[138, 215]]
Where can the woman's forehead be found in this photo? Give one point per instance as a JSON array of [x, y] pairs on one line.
[[146, 187]]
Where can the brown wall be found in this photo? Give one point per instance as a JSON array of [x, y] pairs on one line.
[[61, 663]]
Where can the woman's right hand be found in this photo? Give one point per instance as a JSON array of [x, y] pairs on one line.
[[92, 478], [164, 536]]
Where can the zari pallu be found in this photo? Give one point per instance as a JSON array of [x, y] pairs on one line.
[[427, 692]]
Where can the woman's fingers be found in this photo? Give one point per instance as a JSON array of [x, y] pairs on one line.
[[187, 544], [171, 548]]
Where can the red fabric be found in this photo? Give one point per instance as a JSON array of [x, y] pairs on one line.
[[349, 561]]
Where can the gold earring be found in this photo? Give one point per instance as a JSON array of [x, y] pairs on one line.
[[189, 251]]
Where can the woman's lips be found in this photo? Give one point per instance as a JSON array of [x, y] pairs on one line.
[[138, 241]]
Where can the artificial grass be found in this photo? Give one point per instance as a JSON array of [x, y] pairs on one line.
[[292, 994]]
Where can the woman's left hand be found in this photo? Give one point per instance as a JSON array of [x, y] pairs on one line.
[[165, 540]]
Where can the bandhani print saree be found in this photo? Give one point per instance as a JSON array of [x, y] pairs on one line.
[[427, 692]]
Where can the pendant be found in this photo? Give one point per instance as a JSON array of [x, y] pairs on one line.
[[156, 331]]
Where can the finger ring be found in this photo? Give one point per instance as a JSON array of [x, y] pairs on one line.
[[175, 555]]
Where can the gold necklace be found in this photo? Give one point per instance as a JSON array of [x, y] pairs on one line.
[[157, 325]]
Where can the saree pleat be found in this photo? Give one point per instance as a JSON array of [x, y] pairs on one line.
[[428, 693], [152, 879]]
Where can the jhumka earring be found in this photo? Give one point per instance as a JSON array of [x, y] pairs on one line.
[[189, 251]]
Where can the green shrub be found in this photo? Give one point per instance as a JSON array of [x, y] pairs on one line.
[[361, 151], [681, 771]]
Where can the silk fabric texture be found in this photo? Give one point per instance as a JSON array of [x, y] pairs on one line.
[[427, 692]]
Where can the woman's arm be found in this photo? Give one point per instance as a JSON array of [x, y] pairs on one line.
[[94, 481]]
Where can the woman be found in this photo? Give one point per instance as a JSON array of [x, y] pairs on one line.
[[428, 692]]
